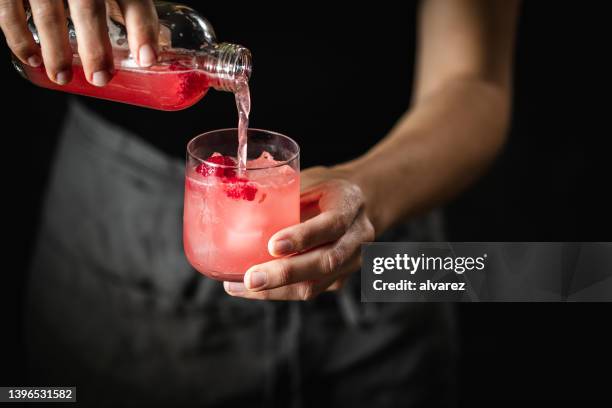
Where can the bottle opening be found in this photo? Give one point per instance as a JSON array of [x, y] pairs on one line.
[[230, 67]]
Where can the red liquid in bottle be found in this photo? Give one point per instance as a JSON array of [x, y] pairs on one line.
[[163, 87]]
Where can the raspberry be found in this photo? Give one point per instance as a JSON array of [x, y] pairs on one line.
[[175, 66], [189, 82], [208, 170], [239, 188], [235, 187]]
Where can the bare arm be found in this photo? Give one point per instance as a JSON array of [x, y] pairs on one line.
[[459, 116]]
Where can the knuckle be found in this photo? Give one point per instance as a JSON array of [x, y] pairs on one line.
[[352, 192], [356, 194], [306, 291], [300, 237], [137, 36], [7, 8], [147, 24], [332, 260], [369, 232], [339, 284], [8, 22], [20, 47], [284, 272], [88, 8], [144, 26], [340, 224], [47, 13], [16, 35], [94, 57]]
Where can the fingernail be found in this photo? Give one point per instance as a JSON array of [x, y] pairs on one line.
[[34, 61], [100, 78], [146, 56], [234, 287], [282, 247], [256, 279], [63, 77]]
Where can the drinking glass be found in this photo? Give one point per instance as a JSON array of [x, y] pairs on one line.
[[230, 214]]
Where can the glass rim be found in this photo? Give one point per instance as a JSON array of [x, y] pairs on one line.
[[224, 166]]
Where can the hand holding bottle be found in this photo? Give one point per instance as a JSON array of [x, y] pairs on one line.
[[90, 24]]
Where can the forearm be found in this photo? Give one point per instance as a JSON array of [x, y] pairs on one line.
[[437, 149]]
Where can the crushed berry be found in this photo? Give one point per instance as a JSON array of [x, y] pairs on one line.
[[190, 82], [207, 170], [239, 188], [235, 187]]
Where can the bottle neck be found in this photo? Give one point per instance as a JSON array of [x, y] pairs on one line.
[[227, 66]]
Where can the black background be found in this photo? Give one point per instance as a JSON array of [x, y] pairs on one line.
[[551, 183]]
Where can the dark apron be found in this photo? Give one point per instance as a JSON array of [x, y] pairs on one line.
[[114, 308]]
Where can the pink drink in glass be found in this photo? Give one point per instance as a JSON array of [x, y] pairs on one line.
[[230, 214]]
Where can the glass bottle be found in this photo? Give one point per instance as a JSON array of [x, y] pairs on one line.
[[190, 61]]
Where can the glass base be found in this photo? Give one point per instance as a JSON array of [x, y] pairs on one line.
[[222, 276]]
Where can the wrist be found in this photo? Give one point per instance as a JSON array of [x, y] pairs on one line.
[[359, 172]]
